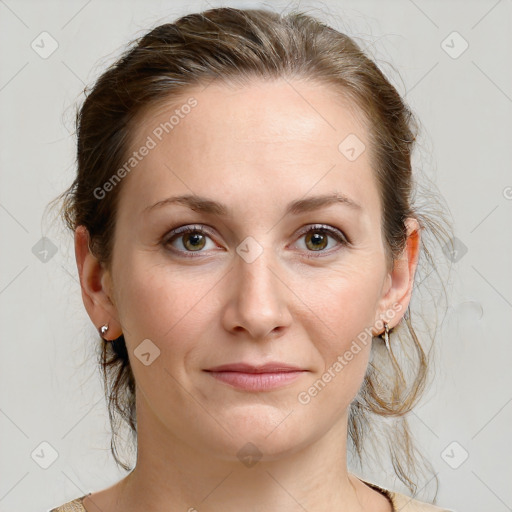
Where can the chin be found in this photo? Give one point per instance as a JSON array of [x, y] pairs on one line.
[[253, 438]]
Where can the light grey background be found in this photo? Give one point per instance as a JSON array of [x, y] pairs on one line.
[[50, 388]]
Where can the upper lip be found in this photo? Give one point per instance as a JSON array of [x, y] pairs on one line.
[[273, 367]]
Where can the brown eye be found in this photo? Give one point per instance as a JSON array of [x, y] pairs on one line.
[[189, 239], [316, 240], [193, 241], [319, 238]]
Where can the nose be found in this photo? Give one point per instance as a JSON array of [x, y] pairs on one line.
[[257, 302]]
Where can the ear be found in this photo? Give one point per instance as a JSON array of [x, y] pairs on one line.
[[96, 284], [395, 301]]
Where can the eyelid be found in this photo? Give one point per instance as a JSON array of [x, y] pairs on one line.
[[324, 227], [175, 233], [337, 234], [187, 228]]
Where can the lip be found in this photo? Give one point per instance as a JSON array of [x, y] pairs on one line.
[[272, 367], [256, 378]]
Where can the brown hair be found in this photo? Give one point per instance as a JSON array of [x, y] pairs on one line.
[[239, 45]]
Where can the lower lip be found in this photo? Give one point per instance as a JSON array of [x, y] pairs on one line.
[[257, 381]]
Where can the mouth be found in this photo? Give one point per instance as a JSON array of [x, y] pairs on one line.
[[256, 377]]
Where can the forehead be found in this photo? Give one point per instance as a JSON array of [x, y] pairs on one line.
[[281, 138], [260, 111]]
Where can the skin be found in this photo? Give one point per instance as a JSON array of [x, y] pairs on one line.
[[254, 148]]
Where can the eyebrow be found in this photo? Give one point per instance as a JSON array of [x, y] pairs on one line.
[[205, 205]]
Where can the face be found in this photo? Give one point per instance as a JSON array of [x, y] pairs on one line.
[[251, 279]]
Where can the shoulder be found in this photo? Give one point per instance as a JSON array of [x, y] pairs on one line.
[[72, 506], [405, 503]]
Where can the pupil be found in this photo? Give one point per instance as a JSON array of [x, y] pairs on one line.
[[318, 240], [195, 240]]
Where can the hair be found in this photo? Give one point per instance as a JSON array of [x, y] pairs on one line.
[[227, 44]]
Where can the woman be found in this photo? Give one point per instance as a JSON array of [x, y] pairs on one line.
[[244, 232]]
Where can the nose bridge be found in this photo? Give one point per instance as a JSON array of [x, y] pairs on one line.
[[256, 278], [259, 300]]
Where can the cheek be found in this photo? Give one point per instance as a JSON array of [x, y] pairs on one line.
[[174, 310], [344, 305], [339, 321], [167, 306], [343, 344]]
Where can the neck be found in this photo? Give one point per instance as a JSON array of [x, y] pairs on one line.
[[173, 475]]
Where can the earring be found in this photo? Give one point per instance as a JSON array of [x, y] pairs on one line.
[[386, 336], [103, 329]]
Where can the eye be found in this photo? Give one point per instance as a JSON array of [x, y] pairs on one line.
[[189, 239], [194, 238], [316, 238]]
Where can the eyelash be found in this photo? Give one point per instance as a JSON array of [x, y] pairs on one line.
[[333, 232]]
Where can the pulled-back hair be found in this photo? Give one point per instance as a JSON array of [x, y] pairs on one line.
[[227, 44]]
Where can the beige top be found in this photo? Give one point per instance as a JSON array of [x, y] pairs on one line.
[[399, 501]]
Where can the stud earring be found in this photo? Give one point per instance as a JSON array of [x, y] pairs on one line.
[[103, 329]]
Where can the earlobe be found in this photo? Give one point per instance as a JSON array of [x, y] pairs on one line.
[[397, 298], [95, 283]]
